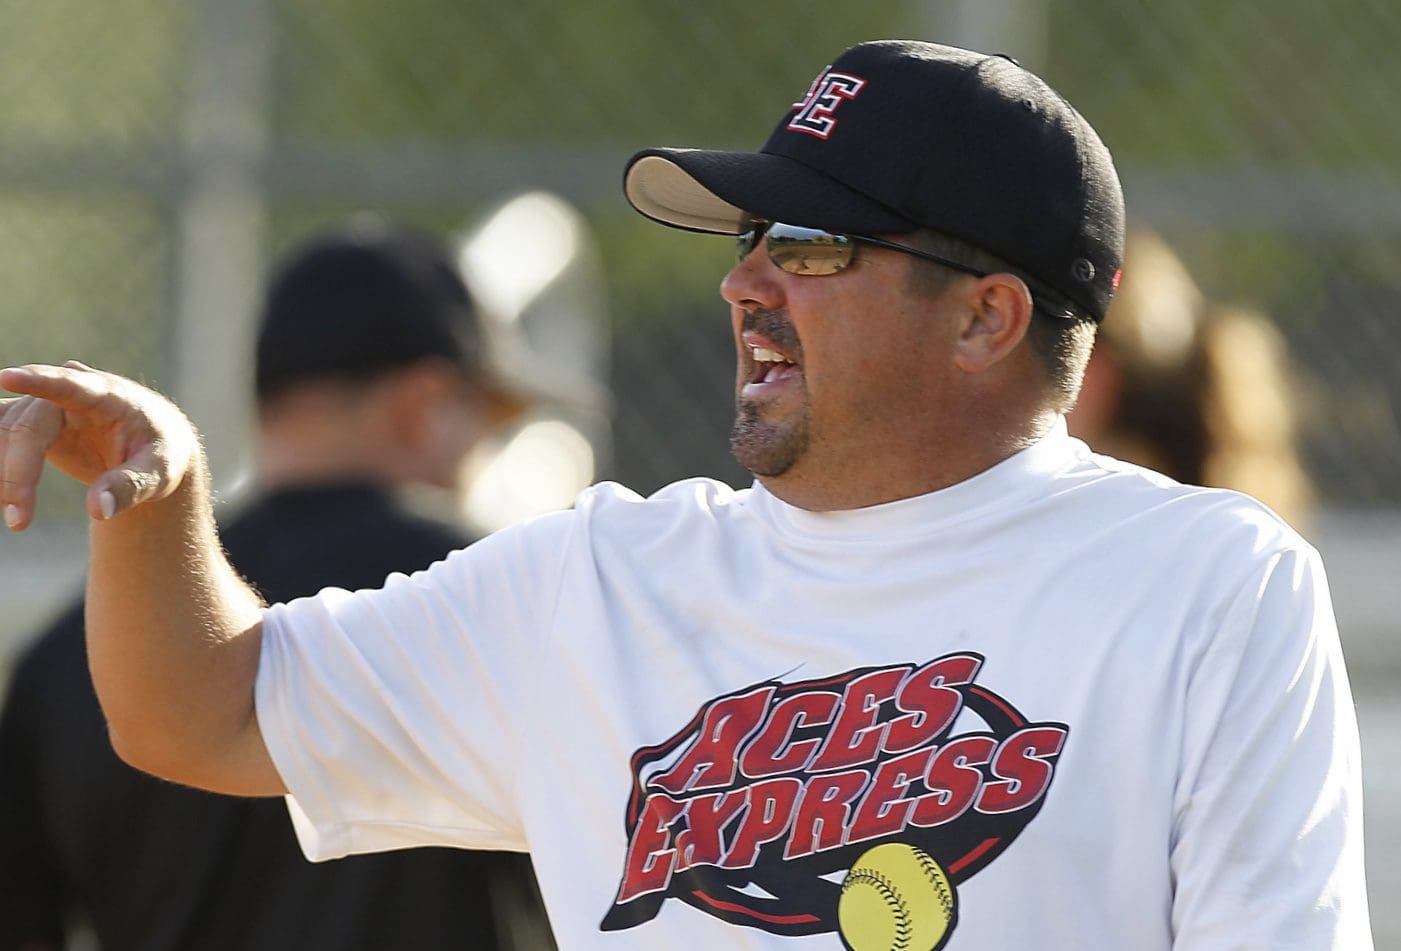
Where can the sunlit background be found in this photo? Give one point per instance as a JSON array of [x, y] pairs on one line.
[[155, 155]]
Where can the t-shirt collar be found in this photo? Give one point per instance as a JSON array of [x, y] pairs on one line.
[[1022, 474]]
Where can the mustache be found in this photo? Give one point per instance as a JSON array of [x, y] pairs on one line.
[[775, 325]]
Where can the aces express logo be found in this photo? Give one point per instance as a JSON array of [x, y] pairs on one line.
[[756, 808]]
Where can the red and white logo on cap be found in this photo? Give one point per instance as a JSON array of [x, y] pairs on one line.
[[815, 110]]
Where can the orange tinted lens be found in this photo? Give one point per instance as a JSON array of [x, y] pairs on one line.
[[807, 250]]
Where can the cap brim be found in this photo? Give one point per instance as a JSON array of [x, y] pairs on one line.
[[720, 192], [513, 377]]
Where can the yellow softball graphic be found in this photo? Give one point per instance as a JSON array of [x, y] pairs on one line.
[[896, 898]]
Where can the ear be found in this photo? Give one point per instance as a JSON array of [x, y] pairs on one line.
[[999, 313], [411, 395]]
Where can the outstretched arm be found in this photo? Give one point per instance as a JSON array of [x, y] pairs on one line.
[[173, 632]]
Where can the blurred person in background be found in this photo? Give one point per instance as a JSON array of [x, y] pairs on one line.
[[1196, 390], [374, 382]]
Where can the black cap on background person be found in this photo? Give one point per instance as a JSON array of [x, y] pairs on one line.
[[369, 296], [374, 360]]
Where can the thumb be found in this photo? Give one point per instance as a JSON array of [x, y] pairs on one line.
[[146, 476]]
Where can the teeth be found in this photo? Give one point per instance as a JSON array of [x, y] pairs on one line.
[[765, 355]]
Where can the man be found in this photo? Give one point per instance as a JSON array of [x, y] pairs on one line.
[[372, 380], [940, 678]]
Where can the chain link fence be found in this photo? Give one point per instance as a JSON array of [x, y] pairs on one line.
[[155, 155], [154, 149]]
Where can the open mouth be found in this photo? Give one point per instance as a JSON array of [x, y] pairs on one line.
[[769, 365]]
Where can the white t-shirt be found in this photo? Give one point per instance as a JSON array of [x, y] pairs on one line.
[[1066, 704]]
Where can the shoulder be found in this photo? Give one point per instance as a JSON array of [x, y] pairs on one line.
[[690, 503], [1190, 523], [608, 516], [297, 541]]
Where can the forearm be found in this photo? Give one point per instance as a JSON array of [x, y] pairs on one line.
[[173, 643]]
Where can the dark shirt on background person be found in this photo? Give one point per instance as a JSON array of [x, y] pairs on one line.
[[215, 872]]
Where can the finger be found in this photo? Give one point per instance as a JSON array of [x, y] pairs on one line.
[[68, 386], [28, 427]]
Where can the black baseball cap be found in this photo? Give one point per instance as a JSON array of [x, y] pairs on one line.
[[363, 297], [898, 135]]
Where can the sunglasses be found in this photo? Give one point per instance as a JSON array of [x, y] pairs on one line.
[[812, 251]]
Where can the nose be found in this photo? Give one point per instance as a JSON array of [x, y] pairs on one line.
[[753, 283]]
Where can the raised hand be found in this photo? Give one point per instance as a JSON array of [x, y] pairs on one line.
[[127, 443]]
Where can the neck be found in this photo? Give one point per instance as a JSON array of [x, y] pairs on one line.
[[314, 442], [279, 469], [900, 473]]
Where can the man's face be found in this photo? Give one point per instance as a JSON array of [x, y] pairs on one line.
[[838, 375]]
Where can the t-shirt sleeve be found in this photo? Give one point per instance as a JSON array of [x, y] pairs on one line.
[[1267, 851], [394, 715]]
